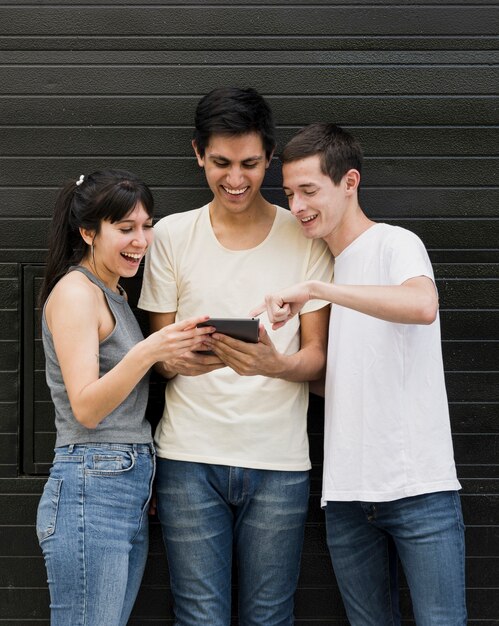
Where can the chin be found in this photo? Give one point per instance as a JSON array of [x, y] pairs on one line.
[[129, 272], [309, 234]]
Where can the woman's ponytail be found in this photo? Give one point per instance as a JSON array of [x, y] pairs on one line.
[[65, 244]]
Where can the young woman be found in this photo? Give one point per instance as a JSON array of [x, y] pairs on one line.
[[92, 517]]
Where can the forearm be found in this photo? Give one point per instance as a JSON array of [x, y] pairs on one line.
[[309, 362], [403, 304], [305, 365], [157, 321], [99, 398]]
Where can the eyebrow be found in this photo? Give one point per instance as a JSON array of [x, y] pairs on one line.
[[220, 157], [131, 221], [302, 185]]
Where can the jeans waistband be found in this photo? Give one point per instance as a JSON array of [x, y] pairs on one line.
[[135, 448]]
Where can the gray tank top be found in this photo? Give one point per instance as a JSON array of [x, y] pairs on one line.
[[127, 423]]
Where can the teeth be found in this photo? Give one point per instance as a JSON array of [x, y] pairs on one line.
[[309, 218], [235, 192], [136, 257]]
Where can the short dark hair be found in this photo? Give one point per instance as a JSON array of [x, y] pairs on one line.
[[338, 150], [233, 111]]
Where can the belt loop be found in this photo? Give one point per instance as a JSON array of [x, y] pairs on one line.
[[134, 448], [71, 447]]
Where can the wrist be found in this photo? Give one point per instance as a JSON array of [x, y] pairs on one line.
[[319, 290], [163, 368], [280, 367], [141, 355]]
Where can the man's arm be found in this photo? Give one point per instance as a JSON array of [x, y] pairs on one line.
[[413, 302], [190, 363], [250, 359]]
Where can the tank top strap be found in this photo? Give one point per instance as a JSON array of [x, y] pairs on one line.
[[119, 297]]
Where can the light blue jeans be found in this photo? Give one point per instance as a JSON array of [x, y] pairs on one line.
[[92, 526], [206, 512], [428, 533]]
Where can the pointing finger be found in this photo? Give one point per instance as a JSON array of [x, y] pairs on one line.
[[258, 310]]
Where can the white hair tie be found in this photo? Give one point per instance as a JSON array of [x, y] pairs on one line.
[[80, 180]]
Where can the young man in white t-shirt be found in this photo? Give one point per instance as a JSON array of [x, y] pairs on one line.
[[232, 443], [389, 472]]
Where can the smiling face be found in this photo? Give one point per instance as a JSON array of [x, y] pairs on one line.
[[320, 206], [235, 168], [120, 246]]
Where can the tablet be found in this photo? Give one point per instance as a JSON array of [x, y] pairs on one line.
[[244, 329]]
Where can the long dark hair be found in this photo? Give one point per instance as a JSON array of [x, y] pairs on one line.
[[84, 203]]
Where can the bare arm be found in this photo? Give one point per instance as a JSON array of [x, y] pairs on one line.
[[263, 359], [318, 386], [73, 318], [413, 302], [190, 363]]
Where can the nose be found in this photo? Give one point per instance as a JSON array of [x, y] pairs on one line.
[[140, 239], [296, 204], [234, 177]]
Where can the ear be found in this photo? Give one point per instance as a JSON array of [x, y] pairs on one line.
[[352, 181], [198, 155], [87, 235]]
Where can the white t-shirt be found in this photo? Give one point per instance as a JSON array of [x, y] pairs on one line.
[[387, 431], [221, 417]]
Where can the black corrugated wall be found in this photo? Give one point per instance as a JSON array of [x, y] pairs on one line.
[[85, 83]]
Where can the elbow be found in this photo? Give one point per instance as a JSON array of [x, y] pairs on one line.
[[317, 384], [318, 373], [317, 387], [429, 318], [86, 420], [428, 311]]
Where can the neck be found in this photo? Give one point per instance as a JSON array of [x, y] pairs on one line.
[[243, 230], [258, 211], [350, 228], [111, 282]]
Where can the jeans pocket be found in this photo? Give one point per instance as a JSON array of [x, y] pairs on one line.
[[46, 516], [109, 463]]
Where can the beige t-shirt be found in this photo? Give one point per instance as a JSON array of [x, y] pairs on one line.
[[221, 417]]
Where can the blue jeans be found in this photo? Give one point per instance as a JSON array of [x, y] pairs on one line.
[[206, 512], [428, 533], [92, 526]]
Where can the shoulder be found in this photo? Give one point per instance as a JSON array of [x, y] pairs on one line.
[[174, 234], [388, 239], [396, 234], [74, 297], [74, 285], [404, 254], [287, 225], [285, 216], [177, 222]]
